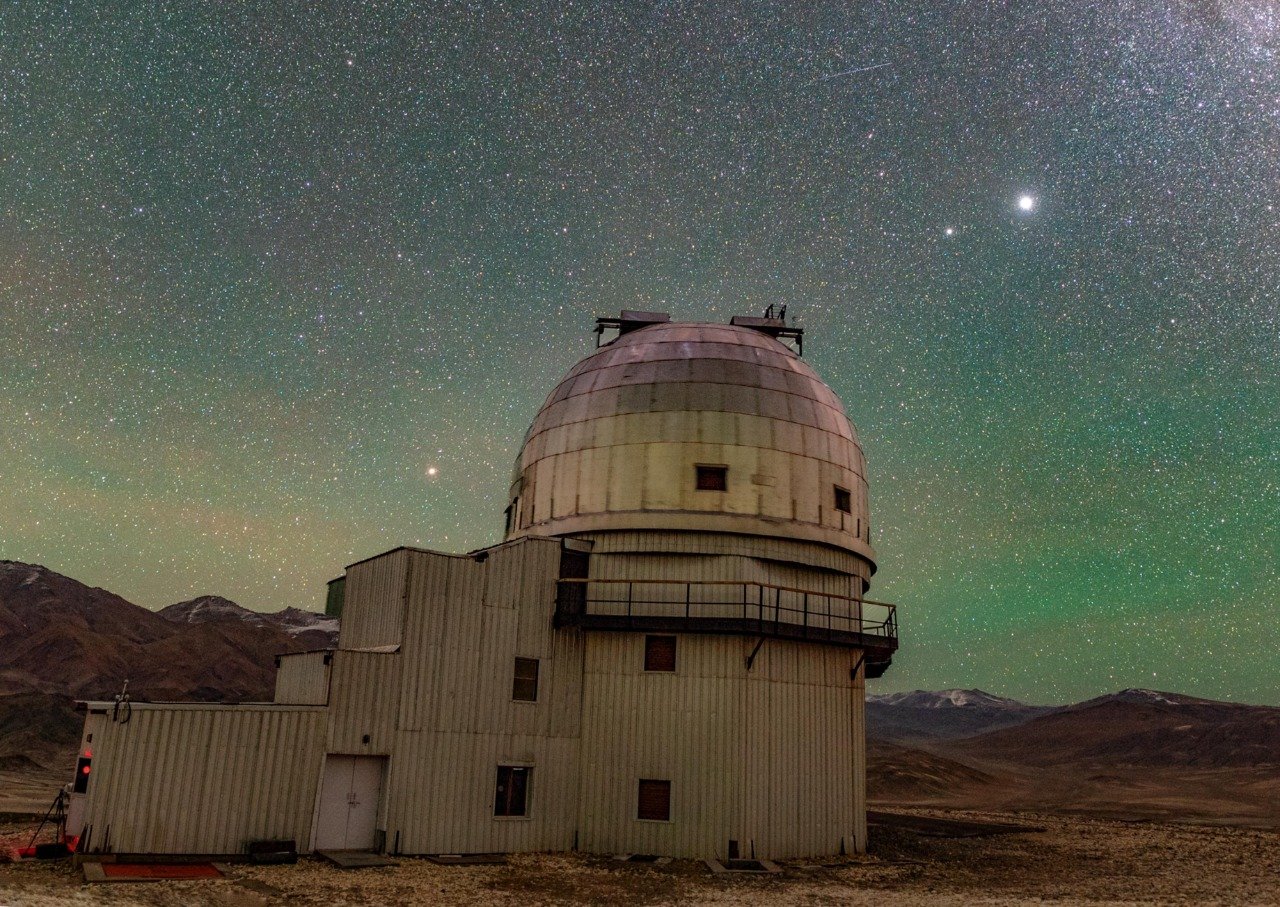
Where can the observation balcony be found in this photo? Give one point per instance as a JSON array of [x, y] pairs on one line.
[[732, 608]]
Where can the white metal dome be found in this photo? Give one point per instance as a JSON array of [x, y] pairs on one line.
[[618, 443]]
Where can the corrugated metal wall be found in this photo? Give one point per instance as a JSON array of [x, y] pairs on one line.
[[373, 605], [671, 569], [766, 758], [782, 550], [705, 567], [444, 793], [303, 679], [467, 620], [364, 701], [194, 778]]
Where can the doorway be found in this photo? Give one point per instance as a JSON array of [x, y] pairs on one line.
[[350, 789]]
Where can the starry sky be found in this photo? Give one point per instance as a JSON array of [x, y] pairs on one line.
[[282, 285]]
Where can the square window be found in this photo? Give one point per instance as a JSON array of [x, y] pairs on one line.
[[525, 685], [654, 800], [660, 653], [711, 478], [512, 797], [844, 500]]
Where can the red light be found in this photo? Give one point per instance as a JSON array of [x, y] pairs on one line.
[[88, 754], [85, 770]]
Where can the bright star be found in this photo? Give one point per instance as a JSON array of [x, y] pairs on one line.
[[432, 471], [950, 231], [1027, 202]]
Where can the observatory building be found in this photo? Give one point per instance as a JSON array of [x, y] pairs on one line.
[[665, 655]]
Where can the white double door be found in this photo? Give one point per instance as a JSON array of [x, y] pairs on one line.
[[349, 794]]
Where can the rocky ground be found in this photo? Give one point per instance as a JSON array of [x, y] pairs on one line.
[[1056, 859]]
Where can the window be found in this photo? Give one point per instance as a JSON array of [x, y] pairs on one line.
[[659, 653], [574, 564], [844, 500], [654, 800], [524, 687], [712, 478], [510, 517], [81, 783], [512, 797]]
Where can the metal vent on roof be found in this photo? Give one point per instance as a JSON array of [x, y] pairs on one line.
[[629, 320]]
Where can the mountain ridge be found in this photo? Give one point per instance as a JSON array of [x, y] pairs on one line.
[[61, 640], [318, 628]]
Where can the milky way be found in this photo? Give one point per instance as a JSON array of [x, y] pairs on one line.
[[264, 269]]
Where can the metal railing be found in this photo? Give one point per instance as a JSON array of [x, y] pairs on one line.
[[764, 604]]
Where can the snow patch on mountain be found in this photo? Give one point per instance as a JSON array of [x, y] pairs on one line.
[[1138, 696], [206, 608], [295, 621], [947, 699], [34, 572]]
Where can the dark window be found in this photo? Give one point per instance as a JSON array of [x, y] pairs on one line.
[[654, 800], [712, 478], [571, 598], [509, 514], [659, 653], [525, 685], [81, 783], [513, 791], [844, 501], [574, 564]]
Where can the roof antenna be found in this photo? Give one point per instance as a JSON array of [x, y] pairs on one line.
[[122, 702]]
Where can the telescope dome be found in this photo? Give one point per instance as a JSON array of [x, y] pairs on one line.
[[694, 427]]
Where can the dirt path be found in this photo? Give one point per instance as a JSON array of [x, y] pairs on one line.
[[1070, 861]]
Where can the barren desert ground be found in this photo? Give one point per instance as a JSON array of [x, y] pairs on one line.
[[1055, 859]]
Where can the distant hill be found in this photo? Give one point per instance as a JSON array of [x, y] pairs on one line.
[[1136, 754], [924, 715], [61, 640], [1140, 727], [904, 773]]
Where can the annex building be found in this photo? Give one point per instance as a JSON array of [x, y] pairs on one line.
[[666, 654]]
